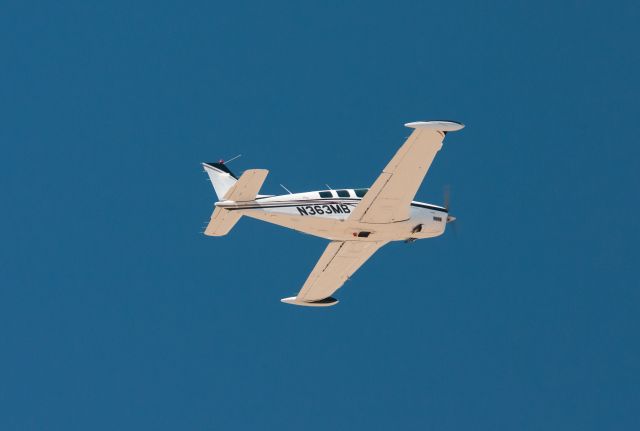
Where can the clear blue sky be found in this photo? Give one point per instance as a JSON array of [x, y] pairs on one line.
[[117, 313]]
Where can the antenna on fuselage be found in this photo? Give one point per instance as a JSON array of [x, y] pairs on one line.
[[289, 191], [329, 187], [232, 159]]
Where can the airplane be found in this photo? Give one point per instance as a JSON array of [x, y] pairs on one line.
[[358, 222]]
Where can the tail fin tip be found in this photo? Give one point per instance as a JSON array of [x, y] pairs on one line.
[[221, 177]]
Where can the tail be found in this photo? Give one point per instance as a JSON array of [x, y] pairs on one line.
[[221, 178], [229, 188]]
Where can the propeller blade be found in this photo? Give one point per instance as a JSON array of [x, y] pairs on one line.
[[447, 204], [447, 196]]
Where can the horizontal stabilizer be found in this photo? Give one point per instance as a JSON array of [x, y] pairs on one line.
[[222, 221], [248, 186]]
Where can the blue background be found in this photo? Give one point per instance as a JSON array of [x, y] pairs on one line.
[[117, 313]]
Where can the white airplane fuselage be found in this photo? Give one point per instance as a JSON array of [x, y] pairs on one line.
[[328, 217]]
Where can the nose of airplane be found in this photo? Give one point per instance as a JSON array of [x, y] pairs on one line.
[[450, 219]]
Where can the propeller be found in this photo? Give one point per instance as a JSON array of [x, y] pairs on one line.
[[447, 204]]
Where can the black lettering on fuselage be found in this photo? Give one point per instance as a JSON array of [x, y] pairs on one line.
[[310, 210], [336, 209]]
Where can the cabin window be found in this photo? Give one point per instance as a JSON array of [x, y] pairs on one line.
[[343, 193], [326, 194], [437, 218], [361, 192]]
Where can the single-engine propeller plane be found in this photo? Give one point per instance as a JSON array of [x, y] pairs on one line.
[[356, 221]]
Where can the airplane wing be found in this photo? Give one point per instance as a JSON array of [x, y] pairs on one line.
[[338, 262], [389, 198]]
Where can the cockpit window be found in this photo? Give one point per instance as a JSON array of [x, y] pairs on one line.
[[326, 194], [361, 192], [343, 193]]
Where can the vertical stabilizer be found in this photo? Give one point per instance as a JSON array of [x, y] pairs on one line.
[[221, 178]]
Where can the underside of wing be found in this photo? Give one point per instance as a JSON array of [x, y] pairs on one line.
[[338, 262], [389, 198]]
